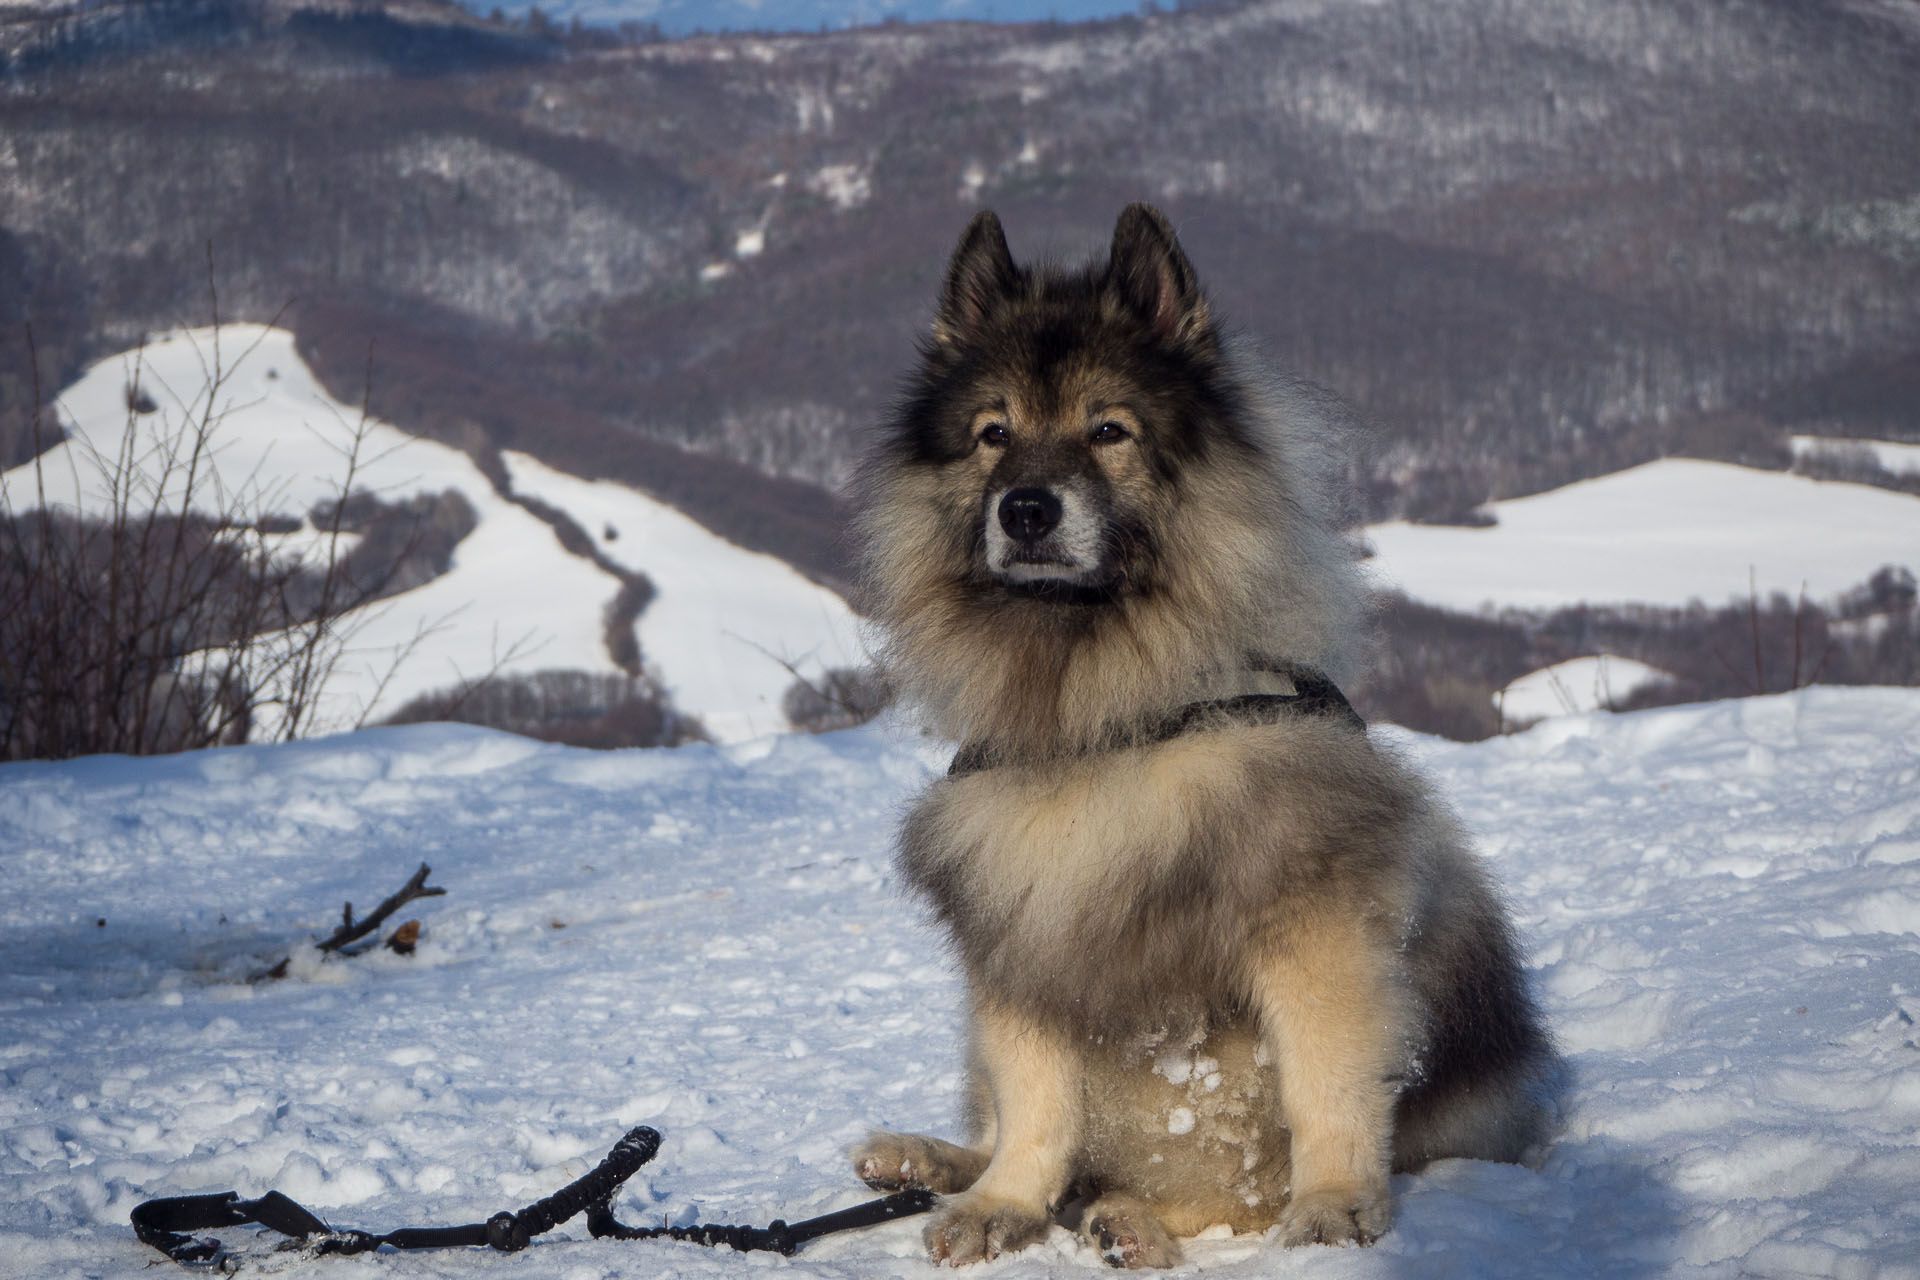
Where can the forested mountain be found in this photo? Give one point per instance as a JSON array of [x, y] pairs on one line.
[[1530, 239]]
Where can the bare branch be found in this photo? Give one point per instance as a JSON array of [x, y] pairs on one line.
[[349, 933]]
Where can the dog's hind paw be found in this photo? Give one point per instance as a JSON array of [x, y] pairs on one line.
[[1357, 1215], [897, 1161], [974, 1230]]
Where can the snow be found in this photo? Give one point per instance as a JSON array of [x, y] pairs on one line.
[[1665, 533], [845, 186], [1894, 456], [715, 634], [1594, 683], [279, 443], [728, 628], [1722, 904]]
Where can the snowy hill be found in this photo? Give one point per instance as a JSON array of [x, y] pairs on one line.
[[719, 634], [1722, 903], [727, 629], [1664, 533], [727, 624]]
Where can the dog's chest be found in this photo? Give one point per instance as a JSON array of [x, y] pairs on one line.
[[1073, 831], [1100, 882]]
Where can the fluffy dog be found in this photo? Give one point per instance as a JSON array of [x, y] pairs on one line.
[[1226, 961]]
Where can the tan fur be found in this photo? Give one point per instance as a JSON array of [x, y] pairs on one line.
[[1328, 1008], [1237, 975]]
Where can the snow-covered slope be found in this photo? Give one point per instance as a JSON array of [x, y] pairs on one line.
[[729, 629], [1722, 904], [279, 444], [513, 597], [1664, 533]]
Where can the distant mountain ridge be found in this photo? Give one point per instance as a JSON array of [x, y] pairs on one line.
[[688, 17], [1532, 240]]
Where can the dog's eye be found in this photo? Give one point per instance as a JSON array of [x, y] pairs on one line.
[[1109, 433], [995, 433]]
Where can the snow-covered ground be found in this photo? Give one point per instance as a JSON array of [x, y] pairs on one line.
[[1722, 904], [722, 619], [1664, 533]]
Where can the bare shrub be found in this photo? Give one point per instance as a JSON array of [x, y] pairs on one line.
[[840, 699], [175, 614], [1451, 496], [1853, 462], [579, 708], [399, 545]]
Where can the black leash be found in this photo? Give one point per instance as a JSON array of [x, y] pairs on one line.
[[1313, 695], [161, 1223]]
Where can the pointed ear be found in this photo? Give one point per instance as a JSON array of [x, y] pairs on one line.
[[1154, 279], [980, 276]]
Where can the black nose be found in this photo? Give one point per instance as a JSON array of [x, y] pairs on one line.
[[1029, 515]]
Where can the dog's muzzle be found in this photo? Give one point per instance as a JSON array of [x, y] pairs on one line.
[[1037, 534]]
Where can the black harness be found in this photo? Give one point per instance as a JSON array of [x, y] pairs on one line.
[[1313, 695]]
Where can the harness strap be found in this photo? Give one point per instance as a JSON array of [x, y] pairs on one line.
[[161, 1223], [1313, 695]]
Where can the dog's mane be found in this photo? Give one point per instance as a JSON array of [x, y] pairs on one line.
[[1252, 560]]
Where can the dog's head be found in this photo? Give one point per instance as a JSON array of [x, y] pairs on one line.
[[1083, 501], [1061, 409]]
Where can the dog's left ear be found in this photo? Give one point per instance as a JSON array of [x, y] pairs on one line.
[[1153, 277]]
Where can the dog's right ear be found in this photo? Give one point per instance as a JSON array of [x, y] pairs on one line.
[[980, 276]]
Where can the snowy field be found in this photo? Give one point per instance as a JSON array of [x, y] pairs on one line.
[[1664, 533], [514, 598], [1722, 904]]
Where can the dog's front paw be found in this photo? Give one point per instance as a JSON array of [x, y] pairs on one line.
[[1128, 1234], [973, 1228], [895, 1161], [1357, 1214]]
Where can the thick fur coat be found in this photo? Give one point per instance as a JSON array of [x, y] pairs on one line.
[[1233, 974]]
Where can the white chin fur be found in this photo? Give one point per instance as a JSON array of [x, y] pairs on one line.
[[1067, 574], [1071, 550]]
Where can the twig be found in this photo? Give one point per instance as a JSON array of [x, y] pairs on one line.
[[349, 932], [831, 699]]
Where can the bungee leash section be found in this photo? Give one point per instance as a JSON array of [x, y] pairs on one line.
[[162, 1223]]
